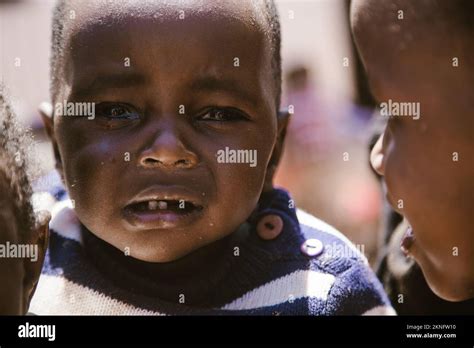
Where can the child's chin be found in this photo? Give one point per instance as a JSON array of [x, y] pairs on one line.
[[448, 285], [161, 257], [454, 294], [164, 253]]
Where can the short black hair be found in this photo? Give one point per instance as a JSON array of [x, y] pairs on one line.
[[16, 166], [272, 31]]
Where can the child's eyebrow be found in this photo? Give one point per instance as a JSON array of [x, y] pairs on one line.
[[106, 81], [214, 84]]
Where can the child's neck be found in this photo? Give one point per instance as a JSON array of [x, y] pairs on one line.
[[191, 275]]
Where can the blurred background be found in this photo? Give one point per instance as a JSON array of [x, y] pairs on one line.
[[325, 164]]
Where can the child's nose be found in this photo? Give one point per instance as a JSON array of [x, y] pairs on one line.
[[377, 156], [169, 152]]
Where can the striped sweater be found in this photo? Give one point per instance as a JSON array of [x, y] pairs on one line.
[[278, 277]]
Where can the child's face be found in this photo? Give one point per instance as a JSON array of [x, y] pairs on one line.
[[417, 158], [185, 89]]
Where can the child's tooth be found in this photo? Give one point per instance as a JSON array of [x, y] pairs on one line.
[[152, 205], [162, 205]]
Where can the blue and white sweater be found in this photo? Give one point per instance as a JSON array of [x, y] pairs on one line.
[[266, 278]]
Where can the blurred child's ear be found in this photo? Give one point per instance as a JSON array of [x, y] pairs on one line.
[[46, 111], [282, 123], [377, 156], [39, 237]]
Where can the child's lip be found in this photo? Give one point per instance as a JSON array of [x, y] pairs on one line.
[[159, 220], [407, 241], [159, 217], [168, 192]]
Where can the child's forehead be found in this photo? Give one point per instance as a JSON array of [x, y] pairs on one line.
[[124, 24], [146, 38], [410, 22], [397, 39], [83, 13]]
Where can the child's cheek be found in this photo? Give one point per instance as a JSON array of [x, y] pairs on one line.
[[402, 171], [87, 163], [92, 173], [238, 190], [240, 176], [394, 178]]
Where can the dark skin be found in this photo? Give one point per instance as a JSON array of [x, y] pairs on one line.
[[410, 61], [173, 62], [18, 276]]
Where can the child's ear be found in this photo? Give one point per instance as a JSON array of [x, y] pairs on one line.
[[39, 237], [377, 156], [283, 118], [46, 111]]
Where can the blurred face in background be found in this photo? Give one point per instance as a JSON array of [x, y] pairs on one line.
[[426, 162]]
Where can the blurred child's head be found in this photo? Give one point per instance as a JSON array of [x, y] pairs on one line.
[[421, 53], [18, 225], [179, 89]]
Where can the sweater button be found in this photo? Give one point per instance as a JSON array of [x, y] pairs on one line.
[[269, 227], [312, 247]]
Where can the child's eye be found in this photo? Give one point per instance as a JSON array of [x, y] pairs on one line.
[[221, 115], [115, 115], [116, 111]]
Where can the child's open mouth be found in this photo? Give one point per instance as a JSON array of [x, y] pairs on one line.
[[163, 207], [407, 241]]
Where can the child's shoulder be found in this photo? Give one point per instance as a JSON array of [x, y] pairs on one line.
[[309, 269], [354, 288], [332, 249]]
